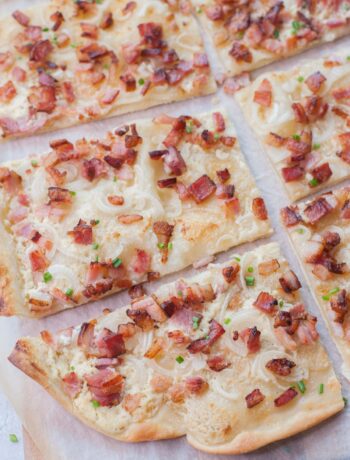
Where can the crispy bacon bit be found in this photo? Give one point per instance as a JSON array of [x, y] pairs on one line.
[[129, 7], [266, 303], [225, 191], [292, 173], [7, 92], [58, 19], [289, 282], [259, 208], [141, 318], [109, 344], [160, 383], [345, 210], [82, 233], [43, 98], [127, 330], [46, 80], [167, 183], [301, 147], [275, 140], [203, 345], [219, 122], [268, 267], [177, 392], [341, 93], [129, 81], [21, 18], [241, 53], [164, 231], [280, 366], [317, 209], [285, 397], [68, 91], [315, 108], [10, 180], [254, 398], [72, 385], [106, 386], [214, 12], [89, 30], [299, 113], [251, 337], [141, 262], [315, 81], [196, 385], [173, 161], [322, 173], [340, 306], [116, 200], [263, 95], [230, 272], [41, 50], [128, 219], [178, 337], [202, 188], [152, 307], [19, 74], [200, 60], [86, 336], [93, 169], [156, 347], [38, 261], [176, 134], [107, 20], [217, 363], [110, 96], [223, 175], [233, 84], [290, 216], [58, 195], [92, 52]]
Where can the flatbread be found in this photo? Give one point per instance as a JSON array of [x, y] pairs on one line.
[[327, 269], [192, 381], [249, 35], [91, 218], [96, 62], [306, 110]]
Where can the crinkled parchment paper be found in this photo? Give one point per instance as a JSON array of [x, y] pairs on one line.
[[60, 436]]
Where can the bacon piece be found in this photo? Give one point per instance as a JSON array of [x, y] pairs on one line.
[[140, 262], [259, 208], [322, 173], [200, 60], [38, 261], [164, 231], [341, 93], [285, 397], [290, 216], [217, 363], [82, 233], [196, 385], [93, 169], [86, 336], [156, 347], [40, 51], [202, 188], [176, 133], [128, 219], [103, 363], [129, 81], [160, 383], [214, 12], [7, 92], [241, 53], [127, 330], [106, 387], [345, 210], [10, 180], [203, 345], [59, 195], [178, 337], [254, 398], [174, 163], [299, 113], [315, 108], [317, 209], [225, 191], [68, 91], [268, 267], [151, 306], [292, 173], [43, 98], [289, 282], [266, 303], [263, 95], [46, 80], [116, 200], [109, 344], [19, 74], [219, 122], [72, 385], [280, 366], [21, 18], [251, 338], [167, 183], [110, 96], [315, 81], [106, 20], [137, 291], [275, 140], [233, 84], [223, 175], [92, 52], [340, 306], [300, 147], [58, 19], [89, 30], [230, 272], [98, 289]]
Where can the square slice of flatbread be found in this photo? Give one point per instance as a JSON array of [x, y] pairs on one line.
[[249, 35], [320, 232], [95, 216], [302, 119], [230, 358], [68, 62]]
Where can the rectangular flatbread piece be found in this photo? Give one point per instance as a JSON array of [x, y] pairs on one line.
[[248, 35], [230, 358], [67, 62], [320, 232], [302, 119], [90, 218]]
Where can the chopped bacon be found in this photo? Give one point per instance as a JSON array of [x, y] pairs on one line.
[[285, 397], [46, 80], [127, 330], [219, 122], [268, 267], [38, 261], [141, 318], [174, 163], [72, 385], [116, 200], [103, 363], [259, 208], [151, 306], [241, 53], [82, 233], [7, 92], [109, 344], [340, 306], [263, 95], [178, 337], [322, 173], [345, 210], [160, 383], [223, 175], [167, 183], [176, 133], [217, 363], [254, 35], [98, 289], [92, 52], [280, 366], [275, 140], [200, 60], [315, 81], [19, 74], [290, 216], [341, 93], [10, 180], [109, 96], [106, 386], [107, 20], [225, 191], [251, 337], [157, 346], [202, 188], [203, 345], [233, 84], [164, 231], [289, 282], [93, 169], [317, 209], [196, 385], [299, 113], [292, 173], [266, 303], [140, 262], [43, 98], [86, 336], [254, 398], [230, 272], [59, 195], [21, 18], [129, 81], [315, 108], [214, 12], [41, 50], [300, 147], [128, 219], [89, 30]]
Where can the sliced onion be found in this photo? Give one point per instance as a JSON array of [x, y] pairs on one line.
[[62, 272], [188, 41], [217, 387]]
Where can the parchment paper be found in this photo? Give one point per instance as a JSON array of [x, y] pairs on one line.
[[59, 435]]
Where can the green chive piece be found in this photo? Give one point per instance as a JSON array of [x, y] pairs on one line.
[[199, 10], [72, 193], [161, 245], [141, 81], [195, 322], [300, 79], [345, 401], [170, 245], [281, 303], [47, 277], [240, 34], [301, 386], [96, 259], [45, 29], [334, 291], [34, 163], [227, 320], [95, 403], [73, 45], [13, 438], [216, 136], [313, 182], [250, 269], [189, 127], [97, 221], [179, 293], [316, 146], [249, 280], [325, 297], [237, 259], [69, 292], [321, 389], [72, 368], [180, 359], [296, 26], [276, 33], [117, 262], [300, 230], [99, 2], [296, 137], [348, 58], [95, 246]]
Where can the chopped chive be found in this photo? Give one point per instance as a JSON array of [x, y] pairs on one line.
[[97, 221], [95, 403], [95, 246], [115, 178], [296, 137], [72, 192], [141, 81], [195, 322], [47, 277], [216, 136], [296, 26], [237, 259], [348, 58], [170, 245], [189, 127], [300, 230], [72, 368], [321, 389], [13, 438], [334, 291], [99, 2], [325, 297], [281, 303], [199, 10], [316, 146], [73, 45], [206, 337], [250, 269], [249, 280], [227, 320], [240, 34], [345, 401], [313, 182], [117, 262], [300, 79], [301, 386], [69, 292], [34, 163], [161, 245], [96, 259], [45, 29], [180, 359], [276, 33], [179, 293]]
